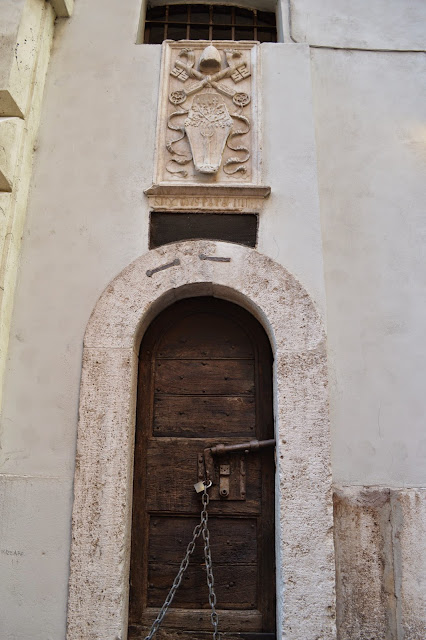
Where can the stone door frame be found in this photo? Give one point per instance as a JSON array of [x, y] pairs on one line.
[[102, 511]]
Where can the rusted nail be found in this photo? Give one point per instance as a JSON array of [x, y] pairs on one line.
[[174, 263], [202, 256]]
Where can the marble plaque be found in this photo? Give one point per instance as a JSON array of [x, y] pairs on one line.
[[208, 128]]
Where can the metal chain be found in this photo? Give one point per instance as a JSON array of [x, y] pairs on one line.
[[201, 527], [209, 567]]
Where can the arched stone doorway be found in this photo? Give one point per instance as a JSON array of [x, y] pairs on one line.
[[101, 531]]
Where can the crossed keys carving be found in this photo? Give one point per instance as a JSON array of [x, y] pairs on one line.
[[235, 70]]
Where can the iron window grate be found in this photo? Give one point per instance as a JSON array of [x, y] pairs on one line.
[[208, 22]]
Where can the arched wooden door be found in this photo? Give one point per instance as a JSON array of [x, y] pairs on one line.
[[205, 378]]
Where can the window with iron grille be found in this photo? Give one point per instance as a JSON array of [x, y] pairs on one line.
[[208, 22]]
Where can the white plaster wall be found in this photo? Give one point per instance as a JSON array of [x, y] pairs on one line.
[[289, 230], [359, 24], [34, 548], [371, 137]]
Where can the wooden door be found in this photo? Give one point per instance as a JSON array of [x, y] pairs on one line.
[[205, 378]]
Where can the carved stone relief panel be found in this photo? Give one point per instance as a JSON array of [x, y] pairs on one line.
[[207, 130]]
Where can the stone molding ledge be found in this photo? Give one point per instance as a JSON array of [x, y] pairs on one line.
[[214, 198]]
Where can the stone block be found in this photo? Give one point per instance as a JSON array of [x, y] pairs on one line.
[[21, 21], [5, 203], [247, 271], [62, 8], [304, 477], [106, 435], [380, 563], [364, 564], [409, 540], [11, 12], [10, 139]]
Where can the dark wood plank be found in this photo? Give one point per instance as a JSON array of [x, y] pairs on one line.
[[174, 634], [232, 540], [235, 586], [138, 632], [266, 537], [140, 516], [210, 377], [205, 335], [178, 621], [205, 416]]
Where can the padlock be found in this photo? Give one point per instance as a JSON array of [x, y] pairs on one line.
[[199, 486]]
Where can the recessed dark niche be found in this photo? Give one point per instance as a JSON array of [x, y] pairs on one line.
[[227, 227]]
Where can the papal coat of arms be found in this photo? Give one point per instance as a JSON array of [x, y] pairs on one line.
[[208, 131]]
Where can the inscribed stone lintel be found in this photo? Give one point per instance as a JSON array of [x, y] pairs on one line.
[[223, 198], [208, 128]]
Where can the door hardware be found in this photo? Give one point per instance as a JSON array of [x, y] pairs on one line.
[[231, 471], [253, 445], [224, 473]]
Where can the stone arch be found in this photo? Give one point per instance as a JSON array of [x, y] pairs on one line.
[[100, 553]]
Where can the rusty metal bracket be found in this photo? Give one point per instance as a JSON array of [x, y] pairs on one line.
[[253, 445], [224, 473], [209, 465], [228, 476]]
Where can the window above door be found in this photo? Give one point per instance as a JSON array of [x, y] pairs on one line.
[[208, 22]]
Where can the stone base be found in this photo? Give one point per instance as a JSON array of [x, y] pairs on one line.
[[380, 542]]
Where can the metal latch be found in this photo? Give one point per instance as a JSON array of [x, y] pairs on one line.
[[231, 470], [253, 445]]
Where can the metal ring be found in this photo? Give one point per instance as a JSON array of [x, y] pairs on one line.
[[209, 484]]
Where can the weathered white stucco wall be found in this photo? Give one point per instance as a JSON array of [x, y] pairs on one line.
[[371, 143], [363, 24], [371, 137]]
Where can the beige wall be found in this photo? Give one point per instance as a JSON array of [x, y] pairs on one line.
[[394, 25], [344, 152], [371, 137]]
